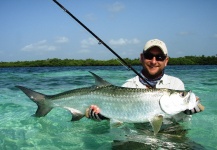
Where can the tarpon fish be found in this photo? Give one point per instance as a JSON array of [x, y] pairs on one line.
[[131, 105]]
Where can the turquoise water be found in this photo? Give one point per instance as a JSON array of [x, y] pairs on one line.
[[20, 130]]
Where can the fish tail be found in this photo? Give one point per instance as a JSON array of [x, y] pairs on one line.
[[44, 106]]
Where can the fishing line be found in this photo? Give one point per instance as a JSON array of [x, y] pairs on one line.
[[102, 42]]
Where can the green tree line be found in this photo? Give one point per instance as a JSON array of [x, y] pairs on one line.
[[187, 60]]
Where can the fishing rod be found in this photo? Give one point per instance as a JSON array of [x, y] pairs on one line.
[[102, 42]]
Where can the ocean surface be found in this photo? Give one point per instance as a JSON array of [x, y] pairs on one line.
[[19, 130]]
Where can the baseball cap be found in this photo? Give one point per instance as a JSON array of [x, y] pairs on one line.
[[158, 43]]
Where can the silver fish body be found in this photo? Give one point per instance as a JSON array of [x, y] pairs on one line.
[[119, 103]]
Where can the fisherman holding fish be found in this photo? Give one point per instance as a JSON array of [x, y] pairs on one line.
[[161, 98], [154, 59]]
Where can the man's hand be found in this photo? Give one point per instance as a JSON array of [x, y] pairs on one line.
[[196, 109], [93, 112]]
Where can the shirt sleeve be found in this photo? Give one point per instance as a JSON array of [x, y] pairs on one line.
[[178, 84]]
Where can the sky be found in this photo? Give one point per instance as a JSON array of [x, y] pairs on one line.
[[40, 29]]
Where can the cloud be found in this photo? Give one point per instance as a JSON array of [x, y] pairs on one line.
[[116, 7], [39, 46], [62, 40], [44, 45], [86, 43], [123, 41]]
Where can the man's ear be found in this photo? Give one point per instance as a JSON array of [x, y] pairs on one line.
[[166, 61]]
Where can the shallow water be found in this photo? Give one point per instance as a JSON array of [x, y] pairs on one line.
[[20, 130]]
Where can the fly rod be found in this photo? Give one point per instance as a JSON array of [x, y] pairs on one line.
[[102, 42]]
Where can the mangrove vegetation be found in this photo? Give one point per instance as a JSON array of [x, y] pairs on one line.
[[187, 60]]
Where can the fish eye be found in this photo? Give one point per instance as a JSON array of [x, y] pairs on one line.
[[182, 94]]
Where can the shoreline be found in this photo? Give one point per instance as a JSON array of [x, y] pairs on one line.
[[55, 62]]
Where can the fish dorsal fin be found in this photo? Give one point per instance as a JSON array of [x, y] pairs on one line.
[[156, 123], [99, 81]]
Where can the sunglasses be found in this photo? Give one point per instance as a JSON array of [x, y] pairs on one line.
[[158, 57]]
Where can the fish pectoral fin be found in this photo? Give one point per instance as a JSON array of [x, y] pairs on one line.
[[156, 123], [76, 115]]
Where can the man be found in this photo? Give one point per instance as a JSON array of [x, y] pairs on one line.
[[154, 59]]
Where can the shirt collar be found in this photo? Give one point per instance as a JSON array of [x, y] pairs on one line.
[[153, 83]]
